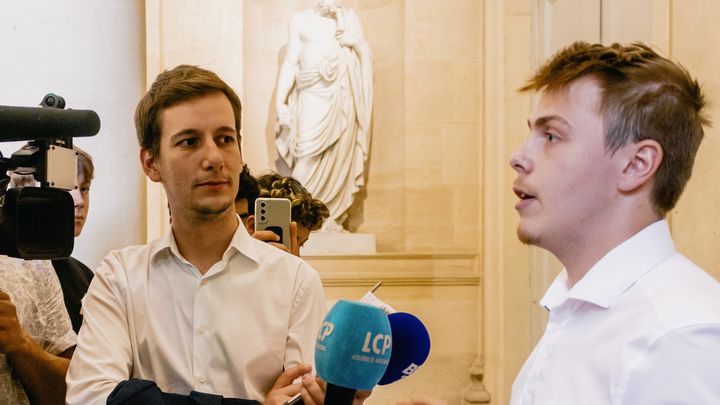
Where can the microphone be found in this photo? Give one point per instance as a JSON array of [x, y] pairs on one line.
[[352, 350], [411, 346], [35, 123]]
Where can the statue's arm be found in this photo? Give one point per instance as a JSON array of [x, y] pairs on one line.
[[352, 36], [286, 77]]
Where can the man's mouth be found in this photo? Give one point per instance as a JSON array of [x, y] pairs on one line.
[[526, 198], [213, 183], [522, 194]]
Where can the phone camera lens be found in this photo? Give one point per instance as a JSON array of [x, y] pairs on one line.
[[262, 204], [262, 211], [262, 218]]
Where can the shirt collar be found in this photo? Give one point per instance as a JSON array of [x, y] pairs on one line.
[[619, 269], [241, 242]]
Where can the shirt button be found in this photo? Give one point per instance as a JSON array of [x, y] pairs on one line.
[[202, 330], [204, 282], [202, 380]]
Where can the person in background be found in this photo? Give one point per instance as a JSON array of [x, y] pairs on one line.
[[307, 212], [74, 276], [36, 336], [247, 193]]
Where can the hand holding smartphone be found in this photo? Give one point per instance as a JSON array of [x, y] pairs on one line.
[[273, 214]]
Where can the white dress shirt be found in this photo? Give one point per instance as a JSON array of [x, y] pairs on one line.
[[35, 291], [642, 327], [150, 314]]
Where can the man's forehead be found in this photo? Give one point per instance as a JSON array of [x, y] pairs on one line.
[[561, 104]]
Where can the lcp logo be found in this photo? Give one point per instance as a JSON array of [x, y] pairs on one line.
[[326, 330]]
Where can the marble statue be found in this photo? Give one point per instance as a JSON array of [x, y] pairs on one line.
[[324, 105]]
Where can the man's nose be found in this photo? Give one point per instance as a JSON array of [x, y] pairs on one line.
[[520, 160], [213, 157]]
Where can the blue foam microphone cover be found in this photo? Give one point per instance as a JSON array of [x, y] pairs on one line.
[[353, 346], [411, 346]]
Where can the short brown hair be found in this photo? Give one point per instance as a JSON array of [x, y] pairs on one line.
[[643, 96], [85, 164], [306, 210], [183, 83]]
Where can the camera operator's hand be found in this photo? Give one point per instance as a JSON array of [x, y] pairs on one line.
[[12, 335]]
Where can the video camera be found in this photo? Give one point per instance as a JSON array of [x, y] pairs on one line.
[[39, 222]]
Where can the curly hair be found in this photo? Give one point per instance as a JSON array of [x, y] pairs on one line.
[[306, 210], [644, 96], [248, 190]]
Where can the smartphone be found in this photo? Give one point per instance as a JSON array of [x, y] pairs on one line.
[[296, 400], [273, 214]]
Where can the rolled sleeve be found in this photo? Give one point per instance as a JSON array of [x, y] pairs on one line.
[[103, 357]]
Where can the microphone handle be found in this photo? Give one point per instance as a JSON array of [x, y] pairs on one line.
[[336, 395]]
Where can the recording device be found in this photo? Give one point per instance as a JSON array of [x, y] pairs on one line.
[[273, 214], [352, 350], [38, 223], [411, 340], [411, 347]]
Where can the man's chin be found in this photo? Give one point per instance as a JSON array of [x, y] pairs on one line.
[[213, 210], [527, 237]]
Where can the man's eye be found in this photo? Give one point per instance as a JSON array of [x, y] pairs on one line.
[[550, 137], [187, 142], [227, 139]]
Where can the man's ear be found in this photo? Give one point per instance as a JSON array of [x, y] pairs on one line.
[[250, 226], [149, 165], [642, 161]]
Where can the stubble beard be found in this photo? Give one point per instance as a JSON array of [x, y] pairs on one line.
[[207, 213], [526, 237]]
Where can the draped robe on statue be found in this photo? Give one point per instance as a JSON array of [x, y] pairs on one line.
[[327, 144]]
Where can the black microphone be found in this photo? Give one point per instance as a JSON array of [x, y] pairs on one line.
[[37, 123]]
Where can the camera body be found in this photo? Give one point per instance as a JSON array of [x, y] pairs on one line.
[[38, 222]]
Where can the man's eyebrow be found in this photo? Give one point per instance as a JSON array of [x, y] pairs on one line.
[[192, 131], [226, 128], [188, 131], [547, 118]]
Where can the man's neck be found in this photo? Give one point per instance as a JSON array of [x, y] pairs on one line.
[[203, 242], [584, 252]]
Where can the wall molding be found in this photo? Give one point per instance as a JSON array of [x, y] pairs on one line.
[[397, 269]]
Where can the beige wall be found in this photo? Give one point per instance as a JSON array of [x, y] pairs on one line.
[[446, 118], [696, 220]]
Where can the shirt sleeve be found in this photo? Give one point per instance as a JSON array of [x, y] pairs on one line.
[[103, 357], [58, 335], [307, 315], [681, 367]]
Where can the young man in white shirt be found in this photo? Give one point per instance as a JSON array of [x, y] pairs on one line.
[[611, 146], [206, 308]]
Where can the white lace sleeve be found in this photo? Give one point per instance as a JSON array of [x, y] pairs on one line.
[[50, 326]]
